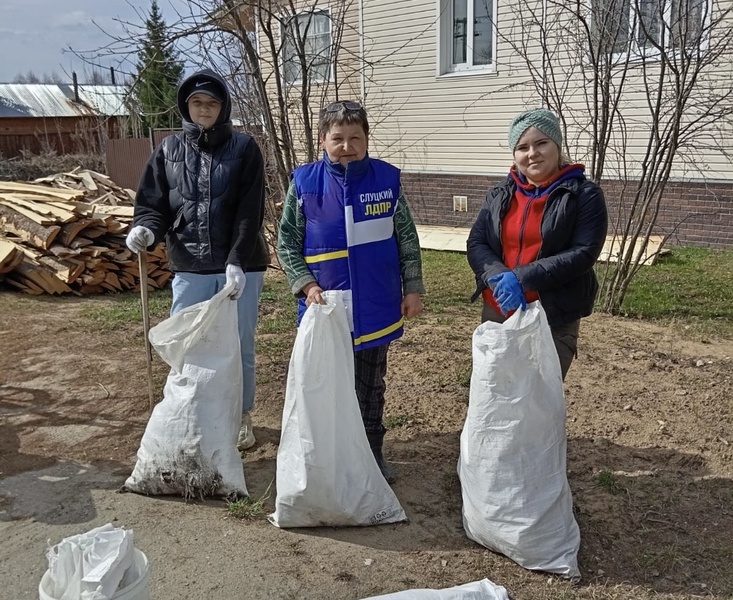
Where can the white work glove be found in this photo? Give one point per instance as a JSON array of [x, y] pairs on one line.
[[139, 239], [236, 276]]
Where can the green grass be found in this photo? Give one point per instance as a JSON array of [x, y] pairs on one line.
[[689, 285], [607, 480], [463, 376], [124, 309], [448, 279], [249, 509], [278, 307], [395, 421], [693, 286]]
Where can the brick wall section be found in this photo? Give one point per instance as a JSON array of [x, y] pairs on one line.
[[695, 214]]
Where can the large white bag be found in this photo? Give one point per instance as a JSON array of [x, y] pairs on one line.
[[478, 590], [91, 566], [512, 465], [326, 472], [190, 444]]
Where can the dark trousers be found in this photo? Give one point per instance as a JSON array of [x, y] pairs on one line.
[[370, 368], [564, 336]]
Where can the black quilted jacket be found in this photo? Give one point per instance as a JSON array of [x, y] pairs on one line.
[[204, 191], [574, 226]]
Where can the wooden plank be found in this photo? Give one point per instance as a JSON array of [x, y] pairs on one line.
[[10, 257], [117, 227], [30, 214], [80, 242], [113, 280], [163, 279], [94, 232], [59, 270], [27, 229], [93, 277], [57, 213], [69, 231], [41, 277], [40, 199], [25, 285], [117, 211], [66, 272], [42, 190], [100, 177], [88, 182]]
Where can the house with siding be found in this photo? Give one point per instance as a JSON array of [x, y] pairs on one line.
[[442, 80], [67, 119]]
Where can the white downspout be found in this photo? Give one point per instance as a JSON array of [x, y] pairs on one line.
[[543, 42], [361, 52]]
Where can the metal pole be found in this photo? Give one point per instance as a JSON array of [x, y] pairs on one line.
[[142, 258]]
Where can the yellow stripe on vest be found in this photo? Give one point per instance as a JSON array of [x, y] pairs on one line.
[[377, 334], [327, 256]]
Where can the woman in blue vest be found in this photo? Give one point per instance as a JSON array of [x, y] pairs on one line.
[[346, 226]]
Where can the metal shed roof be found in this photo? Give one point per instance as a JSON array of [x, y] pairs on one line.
[[57, 100]]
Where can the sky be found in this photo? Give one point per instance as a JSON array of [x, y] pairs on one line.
[[35, 34]]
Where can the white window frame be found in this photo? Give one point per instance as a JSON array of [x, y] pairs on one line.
[[444, 41], [635, 50], [314, 10]]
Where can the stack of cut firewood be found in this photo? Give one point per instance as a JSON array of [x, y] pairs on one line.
[[66, 233]]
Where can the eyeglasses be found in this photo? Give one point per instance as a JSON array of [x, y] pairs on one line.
[[343, 105]]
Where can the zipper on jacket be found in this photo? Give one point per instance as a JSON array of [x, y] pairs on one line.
[[523, 228]]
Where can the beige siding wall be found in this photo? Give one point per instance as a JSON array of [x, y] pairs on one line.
[[451, 123], [458, 124], [345, 80]]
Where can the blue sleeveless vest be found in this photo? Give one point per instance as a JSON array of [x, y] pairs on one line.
[[350, 241]]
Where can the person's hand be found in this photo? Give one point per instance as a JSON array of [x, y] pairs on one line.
[[236, 276], [313, 294], [508, 292], [139, 239], [411, 305]]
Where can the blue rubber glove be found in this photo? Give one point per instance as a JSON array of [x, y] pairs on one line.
[[508, 292]]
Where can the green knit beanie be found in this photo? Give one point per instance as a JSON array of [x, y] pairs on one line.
[[542, 119]]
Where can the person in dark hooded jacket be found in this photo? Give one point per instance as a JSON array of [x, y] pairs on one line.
[[203, 190], [539, 233]]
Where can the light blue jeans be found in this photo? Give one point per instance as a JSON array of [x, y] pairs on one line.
[[192, 288]]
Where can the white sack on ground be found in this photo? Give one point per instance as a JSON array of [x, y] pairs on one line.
[[512, 464], [478, 590], [92, 565], [326, 472], [190, 444]]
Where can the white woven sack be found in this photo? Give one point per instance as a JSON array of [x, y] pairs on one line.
[[326, 472], [477, 590], [512, 464], [190, 443]]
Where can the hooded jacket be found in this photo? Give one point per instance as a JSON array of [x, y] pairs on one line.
[[204, 191], [574, 226]]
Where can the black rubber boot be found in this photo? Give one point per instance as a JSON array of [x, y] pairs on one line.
[[375, 443]]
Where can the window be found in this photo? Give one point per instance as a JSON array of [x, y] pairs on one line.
[[467, 35], [314, 30], [688, 22], [640, 26]]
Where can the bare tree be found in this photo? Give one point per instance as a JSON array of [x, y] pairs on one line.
[[29, 77], [643, 88], [283, 60]]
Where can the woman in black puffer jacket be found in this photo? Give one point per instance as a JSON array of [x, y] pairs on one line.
[[203, 190]]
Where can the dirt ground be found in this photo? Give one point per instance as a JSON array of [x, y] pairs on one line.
[[649, 408]]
